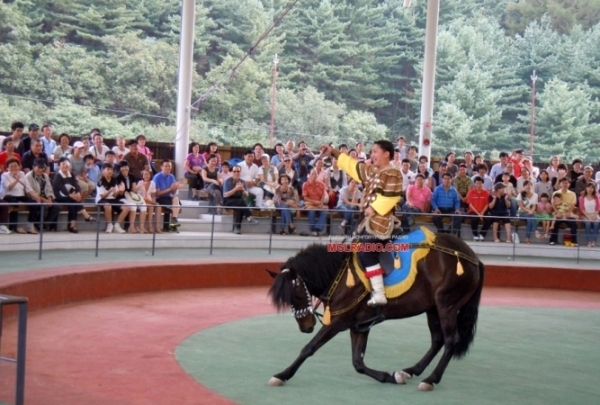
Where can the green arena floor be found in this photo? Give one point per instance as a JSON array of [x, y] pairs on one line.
[[520, 355]]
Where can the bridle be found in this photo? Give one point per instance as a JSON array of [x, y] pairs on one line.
[[308, 310]]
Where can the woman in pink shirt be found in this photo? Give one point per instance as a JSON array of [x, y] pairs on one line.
[[418, 198], [589, 205]]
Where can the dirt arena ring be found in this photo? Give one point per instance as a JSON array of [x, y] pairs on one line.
[[184, 332]]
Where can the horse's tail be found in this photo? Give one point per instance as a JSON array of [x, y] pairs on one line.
[[467, 319]]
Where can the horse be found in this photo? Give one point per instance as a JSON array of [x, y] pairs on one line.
[[449, 297]]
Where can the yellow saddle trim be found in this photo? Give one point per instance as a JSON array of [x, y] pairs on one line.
[[402, 287]]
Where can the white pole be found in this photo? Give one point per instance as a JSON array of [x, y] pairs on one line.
[[184, 94], [431, 31]]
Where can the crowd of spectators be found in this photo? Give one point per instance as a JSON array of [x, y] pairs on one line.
[[36, 169]]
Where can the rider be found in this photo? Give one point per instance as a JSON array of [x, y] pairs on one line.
[[382, 185]]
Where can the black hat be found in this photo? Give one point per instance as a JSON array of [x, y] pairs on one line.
[[41, 163], [33, 127]]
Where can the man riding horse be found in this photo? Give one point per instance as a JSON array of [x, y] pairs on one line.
[[382, 185]]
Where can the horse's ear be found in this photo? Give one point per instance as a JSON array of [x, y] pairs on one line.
[[271, 273]]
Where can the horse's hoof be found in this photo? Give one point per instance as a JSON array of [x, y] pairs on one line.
[[276, 382], [425, 387], [401, 377]]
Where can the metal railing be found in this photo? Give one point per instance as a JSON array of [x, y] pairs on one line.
[[6, 300]]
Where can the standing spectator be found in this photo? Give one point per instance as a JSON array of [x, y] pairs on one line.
[[119, 149], [33, 135], [534, 171], [451, 160], [478, 200], [8, 153], [15, 136], [213, 149], [147, 190], [499, 167], [289, 148], [137, 161], [42, 186], [36, 152], [544, 185], [575, 173], [66, 190], [166, 192], [86, 186], [553, 168], [234, 192], [470, 164], [462, 183], [109, 195], [499, 207], [210, 175], [49, 143], [302, 166], [360, 153], [418, 199], [287, 200], [98, 149], [569, 199], [249, 174], [488, 183], [517, 160], [445, 200], [17, 190], [413, 158], [313, 193], [349, 204], [193, 165], [401, 148], [527, 201], [589, 205], [561, 173]]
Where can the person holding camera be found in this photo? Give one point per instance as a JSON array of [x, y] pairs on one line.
[[234, 192], [499, 207]]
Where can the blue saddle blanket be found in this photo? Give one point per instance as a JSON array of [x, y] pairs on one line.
[[403, 257]]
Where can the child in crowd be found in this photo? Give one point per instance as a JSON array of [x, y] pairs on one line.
[[92, 170], [559, 207], [543, 213]]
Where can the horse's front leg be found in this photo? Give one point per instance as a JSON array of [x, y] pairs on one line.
[[359, 346], [324, 335]]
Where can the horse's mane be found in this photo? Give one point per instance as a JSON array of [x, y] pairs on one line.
[[315, 266]]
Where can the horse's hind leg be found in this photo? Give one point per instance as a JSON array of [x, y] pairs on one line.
[[437, 342], [448, 322], [359, 346]]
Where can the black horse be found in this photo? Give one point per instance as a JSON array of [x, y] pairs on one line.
[[450, 298]]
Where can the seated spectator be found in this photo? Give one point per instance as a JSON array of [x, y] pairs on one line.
[[534, 171], [86, 186], [147, 190], [436, 178], [288, 169], [17, 190], [525, 176], [210, 176], [401, 148], [488, 183], [142, 148], [193, 165], [561, 173], [527, 200], [111, 158], [445, 200], [544, 185], [499, 167], [4, 217], [290, 148], [470, 164], [360, 151], [86, 143], [213, 149], [8, 153], [92, 171], [63, 149], [565, 213], [66, 190], [109, 195], [268, 176], [543, 214], [425, 161], [575, 173], [36, 151], [225, 172], [517, 160], [286, 199], [584, 180], [41, 184], [343, 148], [336, 180], [426, 173], [277, 158], [234, 192], [258, 151], [137, 161], [17, 132], [478, 200], [349, 204], [313, 193], [132, 198], [49, 143], [462, 184], [418, 199], [98, 149], [249, 174], [413, 158], [511, 193], [552, 170], [451, 161], [119, 149], [589, 205], [166, 192], [479, 160], [408, 176], [302, 165], [511, 177], [498, 210]]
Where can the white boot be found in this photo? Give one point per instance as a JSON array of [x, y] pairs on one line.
[[378, 294]]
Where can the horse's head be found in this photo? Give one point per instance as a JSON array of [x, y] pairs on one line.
[[290, 291]]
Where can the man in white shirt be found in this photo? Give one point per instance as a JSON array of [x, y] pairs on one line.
[[408, 177], [249, 174], [98, 149], [499, 168]]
